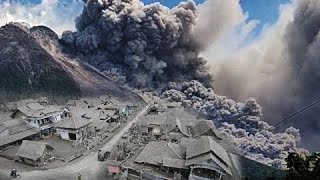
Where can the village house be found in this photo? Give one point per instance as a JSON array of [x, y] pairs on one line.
[[178, 145], [129, 107], [16, 130], [108, 115], [74, 128], [171, 126], [163, 154], [95, 114], [101, 118], [39, 116], [121, 109], [34, 153], [206, 158], [12, 106], [121, 112], [157, 108], [195, 128], [192, 158], [156, 124]]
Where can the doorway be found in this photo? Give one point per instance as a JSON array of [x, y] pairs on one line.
[[72, 136]]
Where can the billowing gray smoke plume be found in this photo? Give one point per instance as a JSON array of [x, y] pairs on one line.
[[239, 122], [282, 71], [148, 46], [303, 40], [158, 48]]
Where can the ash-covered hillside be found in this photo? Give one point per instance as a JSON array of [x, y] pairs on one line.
[[33, 64], [27, 69]]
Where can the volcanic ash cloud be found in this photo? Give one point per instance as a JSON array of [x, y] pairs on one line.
[[241, 123], [158, 48], [281, 69], [148, 45]]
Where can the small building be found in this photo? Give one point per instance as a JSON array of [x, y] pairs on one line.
[[74, 128], [157, 108], [163, 154], [120, 112], [206, 158], [107, 114], [34, 153], [195, 158], [39, 116], [12, 106], [120, 109], [16, 130], [167, 158], [156, 124], [27, 110], [195, 128]]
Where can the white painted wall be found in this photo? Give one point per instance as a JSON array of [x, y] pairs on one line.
[[53, 118], [34, 123], [63, 134]]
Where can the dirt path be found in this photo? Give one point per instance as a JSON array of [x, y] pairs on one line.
[[90, 168]]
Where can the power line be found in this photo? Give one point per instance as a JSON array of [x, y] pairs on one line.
[[297, 112]]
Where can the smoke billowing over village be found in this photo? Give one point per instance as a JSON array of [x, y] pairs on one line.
[[152, 83]]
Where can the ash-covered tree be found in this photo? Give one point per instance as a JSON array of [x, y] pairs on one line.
[[303, 167]]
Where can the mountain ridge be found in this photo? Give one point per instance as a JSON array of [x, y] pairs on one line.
[[33, 63]]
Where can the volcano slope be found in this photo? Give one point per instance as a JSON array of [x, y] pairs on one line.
[[32, 64]]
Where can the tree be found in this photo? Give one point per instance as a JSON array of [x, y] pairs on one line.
[[303, 167]]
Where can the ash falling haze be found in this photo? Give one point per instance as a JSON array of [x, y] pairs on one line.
[[281, 70]]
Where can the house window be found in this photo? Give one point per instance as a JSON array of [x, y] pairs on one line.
[[38, 121]]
